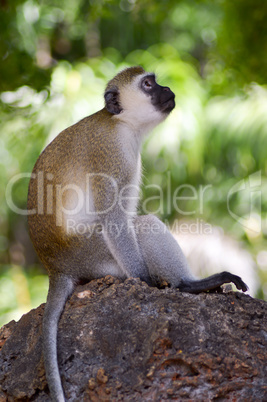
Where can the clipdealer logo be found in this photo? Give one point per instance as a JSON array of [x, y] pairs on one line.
[[247, 212], [249, 191]]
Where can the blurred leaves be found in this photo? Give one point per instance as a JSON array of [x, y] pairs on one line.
[[20, 291], [225, 40]]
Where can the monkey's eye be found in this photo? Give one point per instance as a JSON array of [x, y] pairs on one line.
[[147, 83]]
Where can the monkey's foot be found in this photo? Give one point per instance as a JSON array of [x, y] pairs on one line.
[[212, 282]]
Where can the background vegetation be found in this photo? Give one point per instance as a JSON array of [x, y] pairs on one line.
[[56, 57]]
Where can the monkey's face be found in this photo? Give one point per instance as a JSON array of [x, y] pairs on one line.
[[140, 101], [162, 98]]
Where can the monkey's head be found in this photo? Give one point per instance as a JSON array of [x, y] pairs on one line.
[[135, 97]]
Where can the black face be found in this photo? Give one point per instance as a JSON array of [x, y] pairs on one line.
[[161, 97]]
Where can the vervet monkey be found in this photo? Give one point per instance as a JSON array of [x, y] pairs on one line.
[[82, 205]]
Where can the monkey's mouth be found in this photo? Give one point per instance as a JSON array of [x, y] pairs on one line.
[[168, 105]]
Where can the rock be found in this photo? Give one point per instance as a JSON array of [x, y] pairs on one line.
[[126, 341]]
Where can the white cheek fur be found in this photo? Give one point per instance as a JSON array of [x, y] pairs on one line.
[[138, 110]]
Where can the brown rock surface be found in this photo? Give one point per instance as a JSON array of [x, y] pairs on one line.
[[125, 341]]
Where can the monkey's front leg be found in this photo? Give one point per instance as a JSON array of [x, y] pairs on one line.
[[161, 252], [120, 237]]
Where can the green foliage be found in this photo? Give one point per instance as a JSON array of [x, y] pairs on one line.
[[20, 291], [242, 44], [225, 40]]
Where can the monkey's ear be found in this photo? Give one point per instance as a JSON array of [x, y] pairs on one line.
[[112, 101]]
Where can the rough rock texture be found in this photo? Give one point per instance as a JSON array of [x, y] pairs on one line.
[[130, 342]]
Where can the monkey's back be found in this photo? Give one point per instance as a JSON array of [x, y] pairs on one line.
[[59, 180]]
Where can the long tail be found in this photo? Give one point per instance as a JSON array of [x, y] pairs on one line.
[[212, 282], [60, 288]]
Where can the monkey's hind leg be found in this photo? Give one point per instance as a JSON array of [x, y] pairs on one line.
[[166, 261], [212, 282], [60, 288]]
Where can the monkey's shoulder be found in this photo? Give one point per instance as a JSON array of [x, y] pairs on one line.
[[93, 127], [94, 124], [85, 137]]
